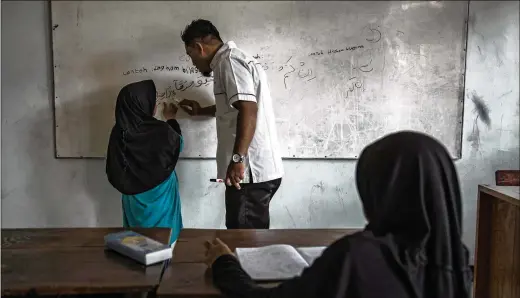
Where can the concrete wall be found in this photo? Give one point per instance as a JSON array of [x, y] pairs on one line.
[[41, 191]]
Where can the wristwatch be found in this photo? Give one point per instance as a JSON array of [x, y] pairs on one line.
[[237, 158]]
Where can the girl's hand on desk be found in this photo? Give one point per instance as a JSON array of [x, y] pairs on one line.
[[215, 250]]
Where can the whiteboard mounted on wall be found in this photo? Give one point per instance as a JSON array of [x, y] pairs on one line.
[[342, 74]]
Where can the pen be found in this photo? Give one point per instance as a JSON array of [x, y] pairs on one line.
[[216, 180]]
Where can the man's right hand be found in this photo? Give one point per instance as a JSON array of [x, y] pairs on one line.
[[191, 107]]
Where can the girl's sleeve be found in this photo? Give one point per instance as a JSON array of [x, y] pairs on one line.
[[175, 125], [177, 128]]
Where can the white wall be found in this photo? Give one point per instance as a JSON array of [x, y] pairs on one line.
[[41, 191]]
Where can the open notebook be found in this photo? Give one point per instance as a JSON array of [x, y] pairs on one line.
[[276, 262]]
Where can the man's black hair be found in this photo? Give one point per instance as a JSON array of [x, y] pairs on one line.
[[199, 29]]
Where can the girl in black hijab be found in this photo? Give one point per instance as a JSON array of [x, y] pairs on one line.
[[411, 246], [141, 158]]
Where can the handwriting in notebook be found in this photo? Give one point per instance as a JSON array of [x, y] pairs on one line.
[[274, 262]]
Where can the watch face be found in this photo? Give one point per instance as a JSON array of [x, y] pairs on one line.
[[236, 158]]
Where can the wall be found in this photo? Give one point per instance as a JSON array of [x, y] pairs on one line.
[[40, 191]]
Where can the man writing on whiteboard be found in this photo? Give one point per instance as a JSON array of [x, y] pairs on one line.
[[248, 155]]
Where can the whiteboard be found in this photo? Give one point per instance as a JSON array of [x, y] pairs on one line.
[[342, 74]]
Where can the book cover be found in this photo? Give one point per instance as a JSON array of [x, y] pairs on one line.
[[138, 247]]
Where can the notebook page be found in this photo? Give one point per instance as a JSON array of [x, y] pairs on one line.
[[311, 253], [270, 263]]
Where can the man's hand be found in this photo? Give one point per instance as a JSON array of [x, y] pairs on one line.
[[169, 111], [191, 107], [235, 174], [215, 250]]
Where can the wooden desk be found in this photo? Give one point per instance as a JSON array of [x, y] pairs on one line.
[[187, 276], [72, 261], [190, 245], [497, 248], [69, 237]]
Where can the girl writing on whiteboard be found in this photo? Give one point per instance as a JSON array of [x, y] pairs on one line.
[[141, 159]]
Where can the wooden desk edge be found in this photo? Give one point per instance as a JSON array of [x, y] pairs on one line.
[[78, 229], [76, 290], [505, 197], [159, 233]]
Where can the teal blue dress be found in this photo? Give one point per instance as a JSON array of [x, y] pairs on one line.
[[159, 207]]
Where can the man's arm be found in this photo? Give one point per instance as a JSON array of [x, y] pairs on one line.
[[246, 125], [208, 111], [240, 87], [193, 108]]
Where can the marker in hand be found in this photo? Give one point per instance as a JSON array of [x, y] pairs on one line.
[[216, 180]]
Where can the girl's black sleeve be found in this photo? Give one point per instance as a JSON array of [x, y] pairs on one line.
[[175, 125]]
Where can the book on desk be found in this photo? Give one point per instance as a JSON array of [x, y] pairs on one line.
[[138, 247], [276, 262]]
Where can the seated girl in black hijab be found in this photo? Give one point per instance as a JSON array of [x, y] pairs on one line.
[[411, 246], [141, 159]]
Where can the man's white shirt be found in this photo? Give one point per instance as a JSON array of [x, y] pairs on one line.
[[239, 77]]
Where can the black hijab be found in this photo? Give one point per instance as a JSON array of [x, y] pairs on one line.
[[410, 193], [142, 151]]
